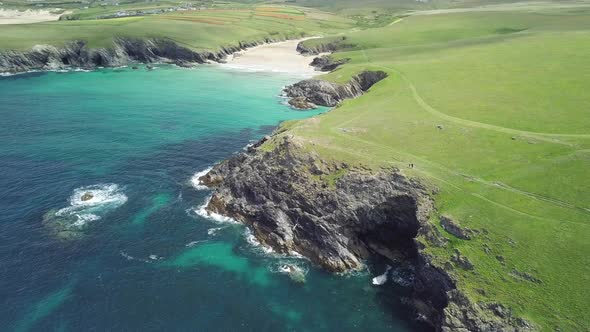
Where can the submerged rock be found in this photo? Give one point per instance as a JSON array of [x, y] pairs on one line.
[[295, 273], [62, 227], [86, 197], [301, 103]]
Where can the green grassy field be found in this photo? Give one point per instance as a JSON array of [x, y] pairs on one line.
[[491, 106], [200, 30], [492, 110]]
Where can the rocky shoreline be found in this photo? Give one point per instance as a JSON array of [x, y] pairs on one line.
[[336, 215], [324, 93], [339, 216], [125, 51]]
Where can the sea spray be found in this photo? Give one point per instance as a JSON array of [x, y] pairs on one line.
[[202, 211], [196, 182], [87, 204], [382, 279]]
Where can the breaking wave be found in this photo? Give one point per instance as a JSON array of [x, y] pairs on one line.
[[197, 184], [202, 211], [382, 279], [90, 203]]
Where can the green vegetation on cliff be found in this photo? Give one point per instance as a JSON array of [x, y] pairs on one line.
[[206, 29], [491, 108]]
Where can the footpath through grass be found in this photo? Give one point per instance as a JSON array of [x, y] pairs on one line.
[[492, 108]]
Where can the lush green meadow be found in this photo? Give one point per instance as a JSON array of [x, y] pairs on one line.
[[490, 106], [207, 29], [491, 109]]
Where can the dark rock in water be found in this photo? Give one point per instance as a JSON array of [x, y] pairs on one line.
[[87, 196], [258, 144], [327, 63], [148, 67], [295, 273], [183, 64], [135, 68], [330, 94], [62, 227], [301, 103]]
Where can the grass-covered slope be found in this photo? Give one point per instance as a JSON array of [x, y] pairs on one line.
[[492, 108], [199, 29]]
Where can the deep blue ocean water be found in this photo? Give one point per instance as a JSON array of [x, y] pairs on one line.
[[137, 257]]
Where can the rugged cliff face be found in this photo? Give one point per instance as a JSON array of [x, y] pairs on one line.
[[327, 63], [330, 94], [77, 54], [279, 194], [326, 46], [339, 216]]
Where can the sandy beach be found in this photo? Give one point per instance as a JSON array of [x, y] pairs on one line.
[[11, 16], [279, 57]]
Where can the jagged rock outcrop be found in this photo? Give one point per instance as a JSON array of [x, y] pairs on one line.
[[325, 46], [338, 216], [449, 225], [327, 63], [276, 193], [301, 103], [77, 54], [330, 94]]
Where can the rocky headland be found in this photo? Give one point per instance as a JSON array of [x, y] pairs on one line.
[[324, 93], [339, 216], [77, 54]]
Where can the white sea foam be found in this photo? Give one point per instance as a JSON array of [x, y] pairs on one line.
[[295, 254], [248, 146], [213, 231], [381, 279], [127, 256], [289, 267], [253, 241], [194, 243], [202, 211], [131, 258], [83, 219], [197, 184], [105, 197]]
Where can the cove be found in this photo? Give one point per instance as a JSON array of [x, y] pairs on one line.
[[136, 256]]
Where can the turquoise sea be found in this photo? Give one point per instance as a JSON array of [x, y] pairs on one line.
[[138, 256]]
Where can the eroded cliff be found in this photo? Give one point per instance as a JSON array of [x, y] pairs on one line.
[[77, 54], [339, 216]]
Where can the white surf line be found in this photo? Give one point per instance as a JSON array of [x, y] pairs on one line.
[[280, 57]]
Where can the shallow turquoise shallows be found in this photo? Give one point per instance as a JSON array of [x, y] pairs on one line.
[[99, 223]]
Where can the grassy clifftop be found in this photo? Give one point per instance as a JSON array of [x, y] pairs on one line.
[[490, 107], [206, 29]]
